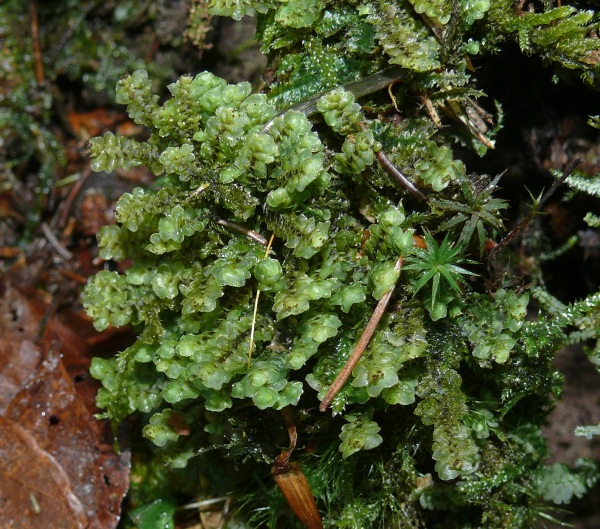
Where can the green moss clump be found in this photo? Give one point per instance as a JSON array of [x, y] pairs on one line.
[[439, 423]]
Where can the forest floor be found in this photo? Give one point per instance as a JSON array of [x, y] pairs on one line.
[[47, 428]]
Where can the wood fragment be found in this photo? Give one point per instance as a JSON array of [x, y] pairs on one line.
[[55, 243]]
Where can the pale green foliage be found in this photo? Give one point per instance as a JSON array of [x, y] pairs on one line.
[[359, 434], [593, 221], [439, 168], [586, 184], [173, 228], [111, 301], [286, 167], [112, 151], [494, 339], [559, 484], [587, 431], [453, 385], [340, 111], [137, 94]]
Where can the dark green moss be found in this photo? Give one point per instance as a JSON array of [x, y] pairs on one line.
[[440, 419]]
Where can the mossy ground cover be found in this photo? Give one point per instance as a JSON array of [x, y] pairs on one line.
[[282, 228]]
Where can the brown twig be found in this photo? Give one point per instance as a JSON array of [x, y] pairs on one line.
[[35, 38], [361, 345], [73, 192], [72, 275], [244, 231], [393, 171]]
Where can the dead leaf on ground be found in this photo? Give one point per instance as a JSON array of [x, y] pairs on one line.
[[34, 488], [58, 469]]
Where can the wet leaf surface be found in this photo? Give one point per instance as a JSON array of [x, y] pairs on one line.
[[57, 463], [35, 490]]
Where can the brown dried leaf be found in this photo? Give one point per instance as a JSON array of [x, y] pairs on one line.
[[34, 489], [51, 428], [19, 359], [48, 407]]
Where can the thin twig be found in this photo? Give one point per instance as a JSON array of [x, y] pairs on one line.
[[558, 183], [393, 171], [65, 207], [35, 39], [244, 231], [55, 243], [361, 345], [72, 275], [203, 505]]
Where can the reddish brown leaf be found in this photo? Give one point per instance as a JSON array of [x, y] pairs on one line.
[[34, 489], [93, 123], [48, 407], [45, 416]]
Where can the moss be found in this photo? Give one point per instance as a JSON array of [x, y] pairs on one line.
[[70, 62], [453, 385]]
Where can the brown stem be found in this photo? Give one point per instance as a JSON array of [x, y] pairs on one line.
[[293, 483], [245, 231], [361, 345], [282, 460], [35, 39]]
